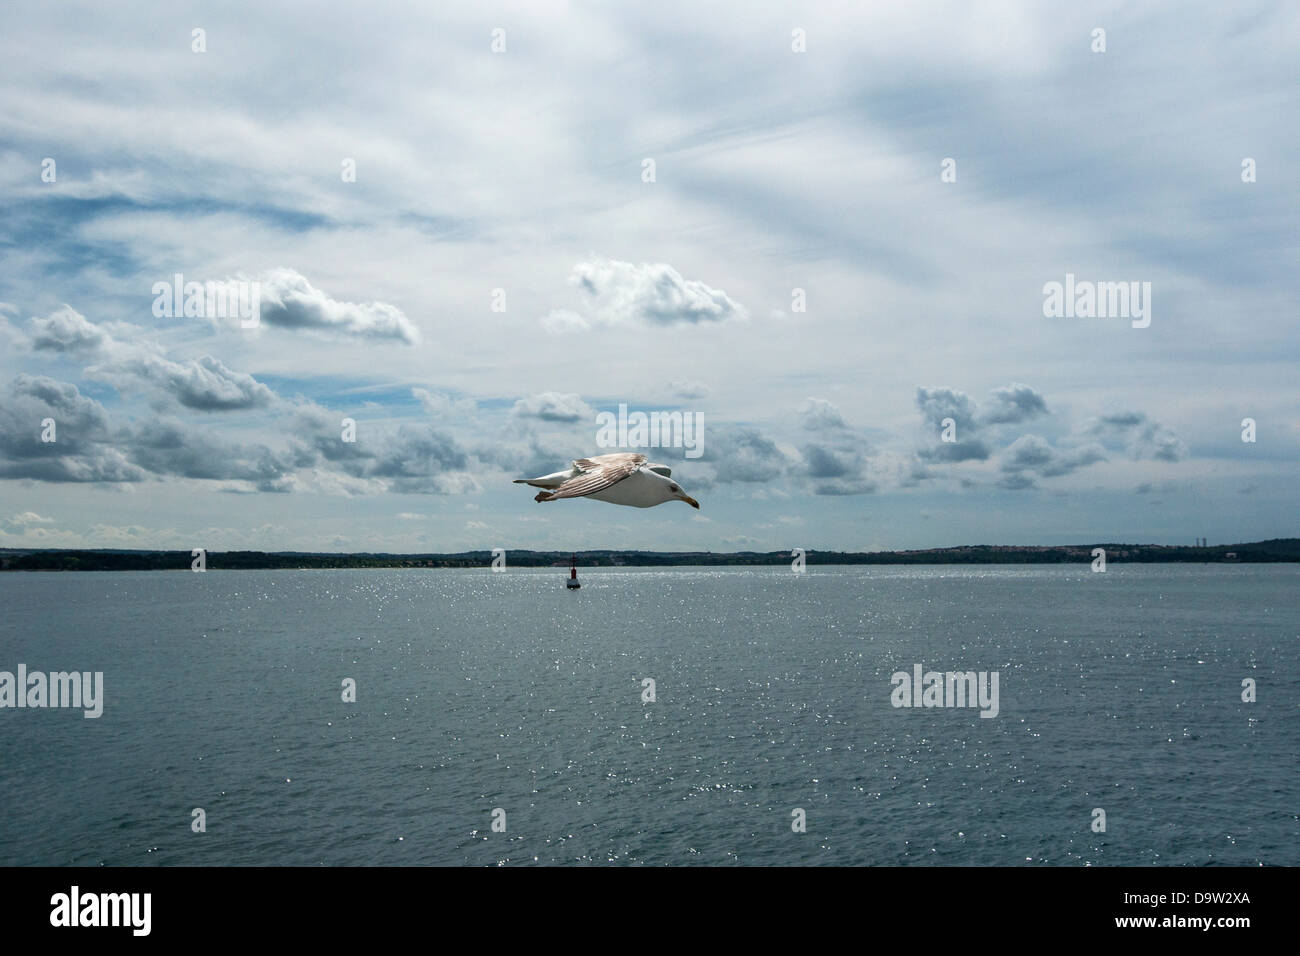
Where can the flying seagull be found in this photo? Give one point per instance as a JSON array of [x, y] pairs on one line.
[[624, 478]]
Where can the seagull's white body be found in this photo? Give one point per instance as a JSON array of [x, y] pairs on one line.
[[641, 489], [621, 479]]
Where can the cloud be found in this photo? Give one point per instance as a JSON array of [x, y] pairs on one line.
[[73, 412], [1156, 441], [734, 208], [171, 447], [438, 405], [834, 456], [1072, 460], [826, 462], [855, 485], [82, 450], [1122, 419], [1028, 451], [554, 407], [681, 388], [562, 321], [289, 301], [621, 293], [204, 384], [1035, 453], [1139, 436], [742, 454], [534, 455], [936, 404], [1013, 404], [952, 453], [26, 519], [1016, 482], [821, 415], [66, 330]]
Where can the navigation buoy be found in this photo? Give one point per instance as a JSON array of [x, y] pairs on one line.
[[573, 583]]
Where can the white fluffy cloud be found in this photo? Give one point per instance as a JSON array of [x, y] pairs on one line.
[[623, 293], [554, 407], [288, 300], [66, 330]]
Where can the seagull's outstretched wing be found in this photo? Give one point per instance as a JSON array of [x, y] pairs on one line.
[[597, 474]]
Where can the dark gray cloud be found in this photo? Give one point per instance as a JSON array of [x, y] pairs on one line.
[[318, 431], [742, 454], [936, 404], [79, 416], [1072, 460], [1013, 404], [1016, 482], [83, 450], [1028, 451], [1156, 441], [204, 384], [1122, 419], [185, 450], [954, 452], [418, 451], [1139, 436], [826, 462], [835, 457], [1035, 453]]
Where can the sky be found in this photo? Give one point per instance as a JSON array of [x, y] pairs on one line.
[[827, 232]]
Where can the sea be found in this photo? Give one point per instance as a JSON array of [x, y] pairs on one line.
[[1146, 715]]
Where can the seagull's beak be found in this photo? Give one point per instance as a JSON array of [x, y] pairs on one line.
[[691, 501]]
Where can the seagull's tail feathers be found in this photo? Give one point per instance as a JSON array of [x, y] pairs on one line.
[[546, 481]]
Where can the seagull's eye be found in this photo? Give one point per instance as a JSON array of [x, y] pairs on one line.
[[674, 488]]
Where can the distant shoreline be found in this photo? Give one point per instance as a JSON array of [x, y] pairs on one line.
[[103, 559]]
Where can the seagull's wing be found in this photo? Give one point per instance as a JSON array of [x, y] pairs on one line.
[[661, 470], [597, 474], [616, 460]]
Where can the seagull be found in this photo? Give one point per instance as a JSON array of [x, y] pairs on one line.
[[624, 478]]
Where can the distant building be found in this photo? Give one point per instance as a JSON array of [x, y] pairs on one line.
[[1231, 556]]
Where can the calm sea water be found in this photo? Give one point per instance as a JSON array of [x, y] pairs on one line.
[[478, 691]]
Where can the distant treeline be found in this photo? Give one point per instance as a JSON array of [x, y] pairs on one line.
[[1278, 549]]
